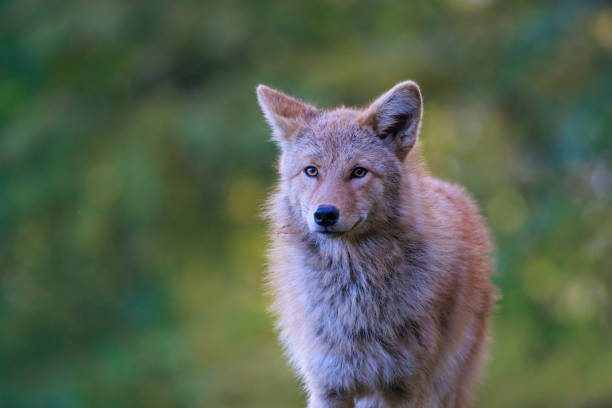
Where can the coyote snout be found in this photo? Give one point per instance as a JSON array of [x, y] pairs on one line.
[[326, 215], [333, 203], [328, 221]]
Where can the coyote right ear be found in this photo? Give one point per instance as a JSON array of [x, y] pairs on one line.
[[396, 116], [284, 113]]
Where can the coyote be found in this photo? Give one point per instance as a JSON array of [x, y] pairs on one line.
[[380, 272]]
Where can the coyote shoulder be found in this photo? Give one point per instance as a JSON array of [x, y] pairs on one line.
[[380, 272]]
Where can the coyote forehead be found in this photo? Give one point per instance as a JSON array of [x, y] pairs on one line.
[[337, 137]]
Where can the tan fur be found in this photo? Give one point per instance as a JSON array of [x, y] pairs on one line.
[[392, 309]]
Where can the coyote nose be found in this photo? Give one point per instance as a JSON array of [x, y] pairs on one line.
[[326, 215]]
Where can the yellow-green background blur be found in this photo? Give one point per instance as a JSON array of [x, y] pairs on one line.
[[134, 161]]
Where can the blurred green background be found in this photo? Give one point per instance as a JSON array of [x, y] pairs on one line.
[[134, 161]]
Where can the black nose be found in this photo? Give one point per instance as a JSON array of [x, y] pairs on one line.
[[326, 215]]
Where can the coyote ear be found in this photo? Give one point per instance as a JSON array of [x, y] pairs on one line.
[[396, 116], [284, 113]]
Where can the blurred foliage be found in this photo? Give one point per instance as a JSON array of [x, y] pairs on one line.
[[134, 162]]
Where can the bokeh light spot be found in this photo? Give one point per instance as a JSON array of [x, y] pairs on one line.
[[579, 300], [507, 210], [540, 279], [602, 29]]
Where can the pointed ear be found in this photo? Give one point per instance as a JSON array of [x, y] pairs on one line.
[[395, 116], [284, 113]]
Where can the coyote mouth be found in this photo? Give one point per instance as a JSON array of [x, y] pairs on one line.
[[361, 218], [333, 233], [330, 232]]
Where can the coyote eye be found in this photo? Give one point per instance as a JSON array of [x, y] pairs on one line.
[[311, 171], [358, 172]]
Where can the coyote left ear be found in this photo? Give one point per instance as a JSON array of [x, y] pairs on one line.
[[396, 116], [284, 113]]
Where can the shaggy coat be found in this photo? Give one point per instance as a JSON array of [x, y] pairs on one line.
[[390, 305]]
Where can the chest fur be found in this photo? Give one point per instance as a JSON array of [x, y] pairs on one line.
[[352, 315], [362, 321]]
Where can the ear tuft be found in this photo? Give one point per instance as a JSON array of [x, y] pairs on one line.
[[396, 115], [284, 113]]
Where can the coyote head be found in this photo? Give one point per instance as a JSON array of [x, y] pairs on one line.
[[340, 169]]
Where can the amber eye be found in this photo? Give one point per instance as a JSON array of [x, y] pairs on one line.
[[311, 171], [358, 172]]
